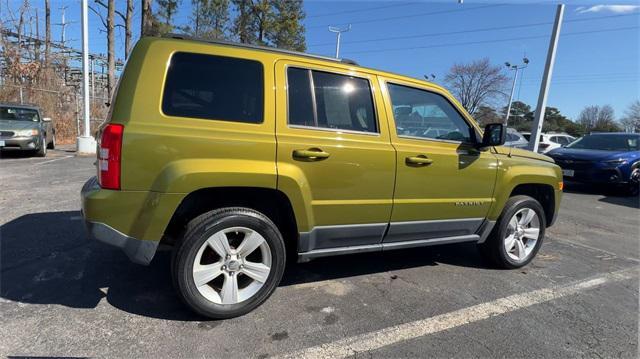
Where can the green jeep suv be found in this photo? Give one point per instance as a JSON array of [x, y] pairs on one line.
[[242, 156]]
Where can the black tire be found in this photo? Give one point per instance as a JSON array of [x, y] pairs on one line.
[[195, 235], [633, 187], [52, 145], [42, 150], [493, 248]]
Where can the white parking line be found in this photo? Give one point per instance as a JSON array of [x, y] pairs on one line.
[[392, 335], [53, 160]]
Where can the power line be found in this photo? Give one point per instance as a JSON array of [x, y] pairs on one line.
[[586, 82], [359, 10], [412, 15], [490, 41], [588, 76], [495, 28]]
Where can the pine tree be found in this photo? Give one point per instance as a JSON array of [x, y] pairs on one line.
[[275, 23], [210, 19], [244, 25], [288, 31], [166, 10]]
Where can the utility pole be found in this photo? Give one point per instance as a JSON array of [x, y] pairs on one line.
[[339, 32], [515, 68], [86, 143], [546, 81], [63, 26]]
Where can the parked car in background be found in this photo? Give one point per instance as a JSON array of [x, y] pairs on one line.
[[516, 139], [238, 154], [551, 141], [602, 158], [22, 127]]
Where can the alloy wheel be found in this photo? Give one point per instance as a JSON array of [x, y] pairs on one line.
[[232, 265], [523, 232]]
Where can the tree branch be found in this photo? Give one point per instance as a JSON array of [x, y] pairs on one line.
[[99, 2], [104, 22]]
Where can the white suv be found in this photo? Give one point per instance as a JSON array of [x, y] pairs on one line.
[[550, 141]]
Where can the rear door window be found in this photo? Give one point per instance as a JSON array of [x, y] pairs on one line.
[[328, 100], [214, 88]]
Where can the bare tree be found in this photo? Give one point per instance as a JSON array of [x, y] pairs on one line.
[[47, 36], [631, 120], [476, 83], [598, 119], [109, 25], [128, 30], [146, 20], [111, 51]]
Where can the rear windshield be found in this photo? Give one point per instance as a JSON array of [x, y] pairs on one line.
[[214, 88], [8, 113], [608, 143]]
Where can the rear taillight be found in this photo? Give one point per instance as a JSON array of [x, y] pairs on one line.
[[109, 156]]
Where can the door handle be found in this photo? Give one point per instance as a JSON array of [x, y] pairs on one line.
[[419, 160], [311, 154]]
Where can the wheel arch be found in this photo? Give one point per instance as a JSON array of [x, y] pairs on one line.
[[271, 202], [543, 193]]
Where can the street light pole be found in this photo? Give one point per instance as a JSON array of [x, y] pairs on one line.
[[338, 32], [525, 62], [546, 80], [86, 144]]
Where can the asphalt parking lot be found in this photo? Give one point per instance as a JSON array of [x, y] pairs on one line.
[[63, 295]]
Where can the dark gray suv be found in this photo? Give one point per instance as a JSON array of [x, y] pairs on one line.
[[22, 127]]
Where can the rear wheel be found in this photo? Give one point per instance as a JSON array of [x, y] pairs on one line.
[[518, 234], [229, 262]]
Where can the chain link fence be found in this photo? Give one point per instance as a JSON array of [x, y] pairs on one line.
[[63, 106]]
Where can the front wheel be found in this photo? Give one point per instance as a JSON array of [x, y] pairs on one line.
[[517, 235], [633, 188], [229, 262], [42, 151], [52, 144]]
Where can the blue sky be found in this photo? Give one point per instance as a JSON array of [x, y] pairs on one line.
[[598, 59]]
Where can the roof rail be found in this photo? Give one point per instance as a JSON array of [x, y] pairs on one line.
[[258, 47]]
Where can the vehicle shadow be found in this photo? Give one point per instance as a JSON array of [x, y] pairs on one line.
[[47, 258], [460, 254], [16, 154], [611, 194]]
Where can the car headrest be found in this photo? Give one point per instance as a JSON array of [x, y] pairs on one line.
[[403, 111]]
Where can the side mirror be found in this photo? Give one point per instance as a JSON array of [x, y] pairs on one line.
[[495, 134], [46, 119]]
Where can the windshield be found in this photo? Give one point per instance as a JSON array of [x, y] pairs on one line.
[[18, 114], [607, 143]]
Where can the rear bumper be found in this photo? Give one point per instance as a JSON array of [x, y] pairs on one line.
[[137, 250], [131, 220]]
